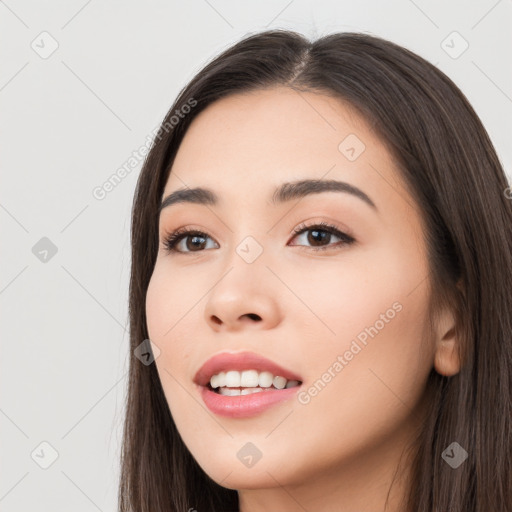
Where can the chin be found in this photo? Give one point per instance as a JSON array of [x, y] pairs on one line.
[[231, 473], [241, 478]]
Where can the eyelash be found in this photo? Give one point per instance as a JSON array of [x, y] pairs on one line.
[[172, 239]]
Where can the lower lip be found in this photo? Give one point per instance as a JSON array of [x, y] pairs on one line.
[[243, 406]]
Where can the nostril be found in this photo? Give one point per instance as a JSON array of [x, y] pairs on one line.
[[253, 316]]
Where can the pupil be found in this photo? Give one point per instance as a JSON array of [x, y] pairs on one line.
[[194, 241], [315, 232]]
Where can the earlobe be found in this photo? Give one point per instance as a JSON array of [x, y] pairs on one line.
[[446, 358]]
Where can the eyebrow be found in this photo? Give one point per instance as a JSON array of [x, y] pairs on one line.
[[285, 192]]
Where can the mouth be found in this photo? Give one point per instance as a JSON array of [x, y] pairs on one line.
[[244, 370], [243, 384], [237, 383]]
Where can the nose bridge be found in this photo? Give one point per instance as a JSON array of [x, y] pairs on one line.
[[249, 242], [244, 291]]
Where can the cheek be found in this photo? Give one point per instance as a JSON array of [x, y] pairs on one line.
[[337, 299], [168, 309], [168, 303], [370, 310], [365, 382], [158, 310]]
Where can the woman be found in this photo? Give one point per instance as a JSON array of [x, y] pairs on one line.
[[341, 340]]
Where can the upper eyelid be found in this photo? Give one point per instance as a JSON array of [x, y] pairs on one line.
[[326, 225], [185, 231]]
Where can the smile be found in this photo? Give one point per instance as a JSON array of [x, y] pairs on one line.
[[235, 383], [256, 384]]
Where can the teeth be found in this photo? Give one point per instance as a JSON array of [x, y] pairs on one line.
[[265, 379], [249, 379], [232, 379], [253, 380], [279, 382], [218, 380], [238, 392], [250, 391], [229, 392]]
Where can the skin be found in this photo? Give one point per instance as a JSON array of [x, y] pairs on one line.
[[339, 451]]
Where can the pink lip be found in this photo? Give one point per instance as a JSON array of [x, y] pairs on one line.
[[240, 361], [243, 405]]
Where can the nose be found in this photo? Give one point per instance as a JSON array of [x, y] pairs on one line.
[[242, 299]]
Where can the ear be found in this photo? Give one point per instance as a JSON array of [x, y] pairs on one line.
[[446, 357]]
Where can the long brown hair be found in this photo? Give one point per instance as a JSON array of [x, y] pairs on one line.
[[448, 162]]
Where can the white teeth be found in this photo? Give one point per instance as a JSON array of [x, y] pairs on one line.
[[232, 379], [265, 379], [238, 392], [250, 391], [279, 382], [229, 392], [218, 380], [249, 379]]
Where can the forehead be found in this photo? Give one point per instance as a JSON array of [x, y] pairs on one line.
[[247, 144]]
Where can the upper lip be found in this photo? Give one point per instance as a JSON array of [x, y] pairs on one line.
[[239, 361]]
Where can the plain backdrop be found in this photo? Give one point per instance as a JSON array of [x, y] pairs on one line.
[[83, 84]]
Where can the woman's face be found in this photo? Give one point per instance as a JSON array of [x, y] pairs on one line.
[[349, 320]]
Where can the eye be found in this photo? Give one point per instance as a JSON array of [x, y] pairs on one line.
[[194, 240], [186, 240], [321, 233]]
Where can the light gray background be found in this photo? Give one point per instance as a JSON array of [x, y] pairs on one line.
[[68, 122]]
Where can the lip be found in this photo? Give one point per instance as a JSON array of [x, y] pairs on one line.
[[243, 406], [226, 361]]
